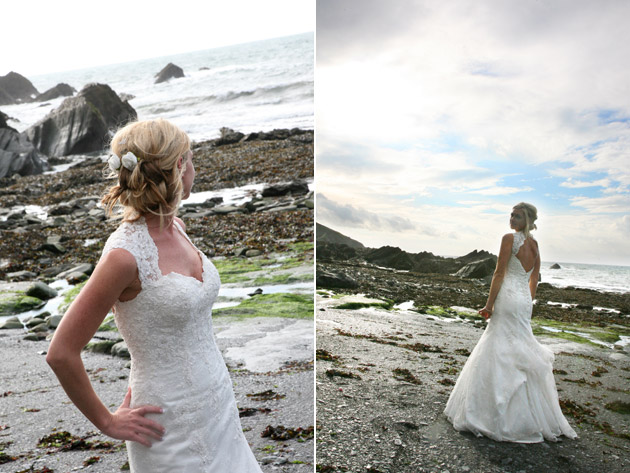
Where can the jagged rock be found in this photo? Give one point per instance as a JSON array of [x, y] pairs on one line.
[[229, 136], [60, 90], [15, 88], [18, 155], [339, 279], [293, 188], [170, 71], [3, 120], [555, 266], [81, 124], [41, 291], [21, 275], [478, 269]]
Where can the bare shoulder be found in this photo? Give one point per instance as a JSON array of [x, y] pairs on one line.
[[507, 238], [118, 261], [181, 223]]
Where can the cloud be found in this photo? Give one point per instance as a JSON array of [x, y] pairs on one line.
[[604, 205], [349, 216], [570, 183]]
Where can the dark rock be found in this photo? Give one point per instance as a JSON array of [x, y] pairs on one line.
[[334, 251], [3, 120], [81, 124], [229, 136], [41, 291], [335, 279], [15, 88], [555, 266], [293, 188], [257, 292], [391, 257], [21, 275], [478, 269], [60, 90], [18, 155], [56, 248], [170, 71]]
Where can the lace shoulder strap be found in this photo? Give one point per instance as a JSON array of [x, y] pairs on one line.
[[519, 239], [134, 237]]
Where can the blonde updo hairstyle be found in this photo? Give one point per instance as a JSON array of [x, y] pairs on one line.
[[531, 214], [155, 185]]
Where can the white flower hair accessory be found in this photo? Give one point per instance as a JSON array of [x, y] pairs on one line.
[[129, 161]]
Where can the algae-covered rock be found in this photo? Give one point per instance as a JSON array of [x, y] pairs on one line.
[[101, 346], [41, 291], [12, 322], [16, 302]]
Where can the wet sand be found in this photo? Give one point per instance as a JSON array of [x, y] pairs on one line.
[[380, 405], [33, 405]]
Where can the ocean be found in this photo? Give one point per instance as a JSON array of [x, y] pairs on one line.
[[589, 276], [249, 87]]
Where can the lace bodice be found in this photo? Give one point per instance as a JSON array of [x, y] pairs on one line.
[[175, 364]]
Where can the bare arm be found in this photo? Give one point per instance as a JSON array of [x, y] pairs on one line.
[[116, 272], [534, 277], [499, 273]]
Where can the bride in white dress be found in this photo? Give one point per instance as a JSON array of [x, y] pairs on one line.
[[179, 414], [506, 390]]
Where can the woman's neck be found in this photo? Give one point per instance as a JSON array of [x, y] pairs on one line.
[[153, 221]]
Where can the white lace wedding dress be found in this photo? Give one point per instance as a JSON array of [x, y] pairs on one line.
[[506, 390], [175, 364]]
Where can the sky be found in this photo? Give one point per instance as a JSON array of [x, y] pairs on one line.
[[434, 118], [53, 36]]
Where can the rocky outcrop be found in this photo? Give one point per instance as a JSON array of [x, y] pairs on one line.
[[15, 88], [17, 154], [325, 234], [336, 279], [81, 124], [170, 71], [228, 136], [555, 266], [286, 188], [60, 90], [478, 269]]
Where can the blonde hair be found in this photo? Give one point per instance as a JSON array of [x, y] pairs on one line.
[[155, 184], [531, 214]]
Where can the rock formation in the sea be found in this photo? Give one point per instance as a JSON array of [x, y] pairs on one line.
[[170, 71], [60, 90], [82, 123], [228, 136], [286, 188], [555, 266], [325, 234], [17, 154], [15, 88]]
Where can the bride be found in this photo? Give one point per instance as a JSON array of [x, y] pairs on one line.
[[179, 413], [506, 390]]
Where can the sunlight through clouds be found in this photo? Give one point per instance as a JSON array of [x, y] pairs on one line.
[[443, 112]]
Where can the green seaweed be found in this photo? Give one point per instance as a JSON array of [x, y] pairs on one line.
[[387, 305], [295, 306], [15, 302], [69, 297]]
